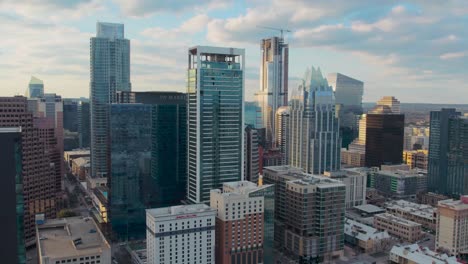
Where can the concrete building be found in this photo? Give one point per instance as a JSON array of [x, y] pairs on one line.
[[399, 227], [181, 234], [251, 154], [75, 240], [110, 72], [448, 160], [353, 158], [425, 215], [391, 102], [273, 84], [12, 248], [239, 225], [367, 238], [39, 181], [355, 180], [315, 141], [416, 159], [399, 184], [415, 254], [452, 226], [300, 201], [215, 94]]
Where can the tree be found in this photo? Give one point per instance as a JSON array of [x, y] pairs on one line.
[[65, 213]]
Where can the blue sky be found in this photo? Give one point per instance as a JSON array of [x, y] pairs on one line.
[[415, 50]]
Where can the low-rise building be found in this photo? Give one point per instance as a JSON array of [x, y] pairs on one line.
[[423, 214], [368, 210], [365, 237], [74, 240], [414, 254], [353, 158], [399, 184], [99, 198], [355, 180], [431, 198], [399, 227], [181, 234], [74, 154], [452, 226], [80, 167]]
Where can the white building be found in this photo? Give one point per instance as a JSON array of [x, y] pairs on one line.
[[420, 255], [452, 226], [181, 234], [355, 180], [74, 240]]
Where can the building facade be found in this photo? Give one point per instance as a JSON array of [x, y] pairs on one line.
[[355, 180], [110, 72], [399, 184], [215, 94], [399, 227], [314, 136], [367, 238], [273, 84], [84, 119], [12, 249], [181, 234], [281, 133], [452, 223], [35, 88], [251, 154], [448, 158], [416, 159], [425, 215]]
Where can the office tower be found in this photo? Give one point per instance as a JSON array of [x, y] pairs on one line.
[[110, 72], [70, 114], [239, 224], [84, 117], [257, 230], [348, 99], [452, 223], [251, 154], [391, 102], [309, 214], [281, 133], [253, 114], [384, 136], [12, 247], [314, 130], [35, 88], [273, 83], [39, 182], [72, 240], [166, 226], [448, 158], [148, 157], [215, 119]]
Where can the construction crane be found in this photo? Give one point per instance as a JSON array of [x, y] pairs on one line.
[[281, 30]]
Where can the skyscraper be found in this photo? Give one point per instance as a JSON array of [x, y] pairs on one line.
[[448, 156], [39, 182], [84, 117], [273, 83], [110, 72], [215, 91], [348, 99], [315, 141], [70, 114], [281, 133], [12, 248], [251, 154], [35, 88]]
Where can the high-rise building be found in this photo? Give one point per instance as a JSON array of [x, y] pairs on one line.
[[153, 163], [391, 102], [215, 91], [355, 180], [309, 214], [12, 248], [35, 88], [348, 98], [384, 136], [70, 114], [181, 234], [273, 83], [110, 72], [315, 141], [39, 182], [239, 223], [452, 223], [281, 133], [253, 114], [84, 128], [251, 154], [448, 158]]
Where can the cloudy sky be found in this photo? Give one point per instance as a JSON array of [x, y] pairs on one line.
[[415, 50]]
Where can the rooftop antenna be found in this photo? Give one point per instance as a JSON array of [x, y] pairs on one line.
[[281, 30]]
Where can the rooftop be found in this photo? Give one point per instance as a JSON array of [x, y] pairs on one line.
[[403, 174], [363, 232], [370, 209], [458, 205], [68, 237], [418, 254], [179, 210], [242, 187], [422, 210], [397, 219]]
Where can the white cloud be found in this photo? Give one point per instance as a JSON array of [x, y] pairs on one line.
[[142, 8], [453, 55]]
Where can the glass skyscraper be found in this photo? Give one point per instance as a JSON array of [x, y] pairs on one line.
[[314, 136], [36, 88], [273, 83], [110, 72], [448, 155], [148, 157], [215, 91]]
